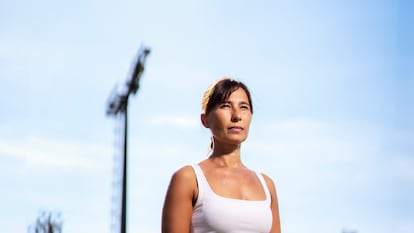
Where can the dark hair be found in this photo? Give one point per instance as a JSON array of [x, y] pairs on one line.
[[220, 90]]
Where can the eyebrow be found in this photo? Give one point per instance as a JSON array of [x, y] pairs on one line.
[[241, 102]]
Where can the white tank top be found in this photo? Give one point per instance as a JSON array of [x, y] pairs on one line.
[[216, 214]]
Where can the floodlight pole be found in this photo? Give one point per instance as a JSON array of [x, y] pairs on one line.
[[118, 104], [124, 173]]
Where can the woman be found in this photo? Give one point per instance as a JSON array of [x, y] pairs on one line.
[[220, 194]]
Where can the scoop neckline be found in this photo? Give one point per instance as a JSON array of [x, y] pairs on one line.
[[231, 198]]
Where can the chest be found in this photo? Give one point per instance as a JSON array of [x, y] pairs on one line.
[[240, 184]]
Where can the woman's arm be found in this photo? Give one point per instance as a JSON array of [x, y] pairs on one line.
[[178, 204], [274, 205]]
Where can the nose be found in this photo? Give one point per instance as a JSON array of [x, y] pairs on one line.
[[235, 115]]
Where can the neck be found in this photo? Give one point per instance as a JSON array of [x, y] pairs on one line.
[[226, 157]]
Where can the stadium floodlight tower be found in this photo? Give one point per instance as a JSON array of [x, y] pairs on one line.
[[118, 105]]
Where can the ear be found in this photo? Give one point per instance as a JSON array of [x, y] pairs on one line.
[[203, 120]]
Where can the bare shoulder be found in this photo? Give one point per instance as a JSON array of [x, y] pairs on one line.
[[184, 180], [269, 182], [184, 176], [182, 187], [185, 173], [179, 199]]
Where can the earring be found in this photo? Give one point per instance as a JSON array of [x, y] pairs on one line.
[[211, 143]]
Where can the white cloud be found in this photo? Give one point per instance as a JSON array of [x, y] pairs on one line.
[[42, 152]]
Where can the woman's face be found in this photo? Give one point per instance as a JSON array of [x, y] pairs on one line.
[[229, 121]]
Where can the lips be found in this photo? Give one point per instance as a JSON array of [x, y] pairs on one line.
[[235, 129]]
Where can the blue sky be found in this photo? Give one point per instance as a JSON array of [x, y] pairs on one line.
[[331, 81]]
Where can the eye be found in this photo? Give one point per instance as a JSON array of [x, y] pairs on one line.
[[245, 107], [225, 105]]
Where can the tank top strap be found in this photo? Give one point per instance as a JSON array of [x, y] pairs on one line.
[[265, 187], [202, 183]]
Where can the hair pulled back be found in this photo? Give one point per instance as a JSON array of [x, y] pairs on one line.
[[219, 92]]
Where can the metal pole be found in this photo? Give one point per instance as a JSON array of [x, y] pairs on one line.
[[124, 175]]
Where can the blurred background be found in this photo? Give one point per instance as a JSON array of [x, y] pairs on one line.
[[332, 86]]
